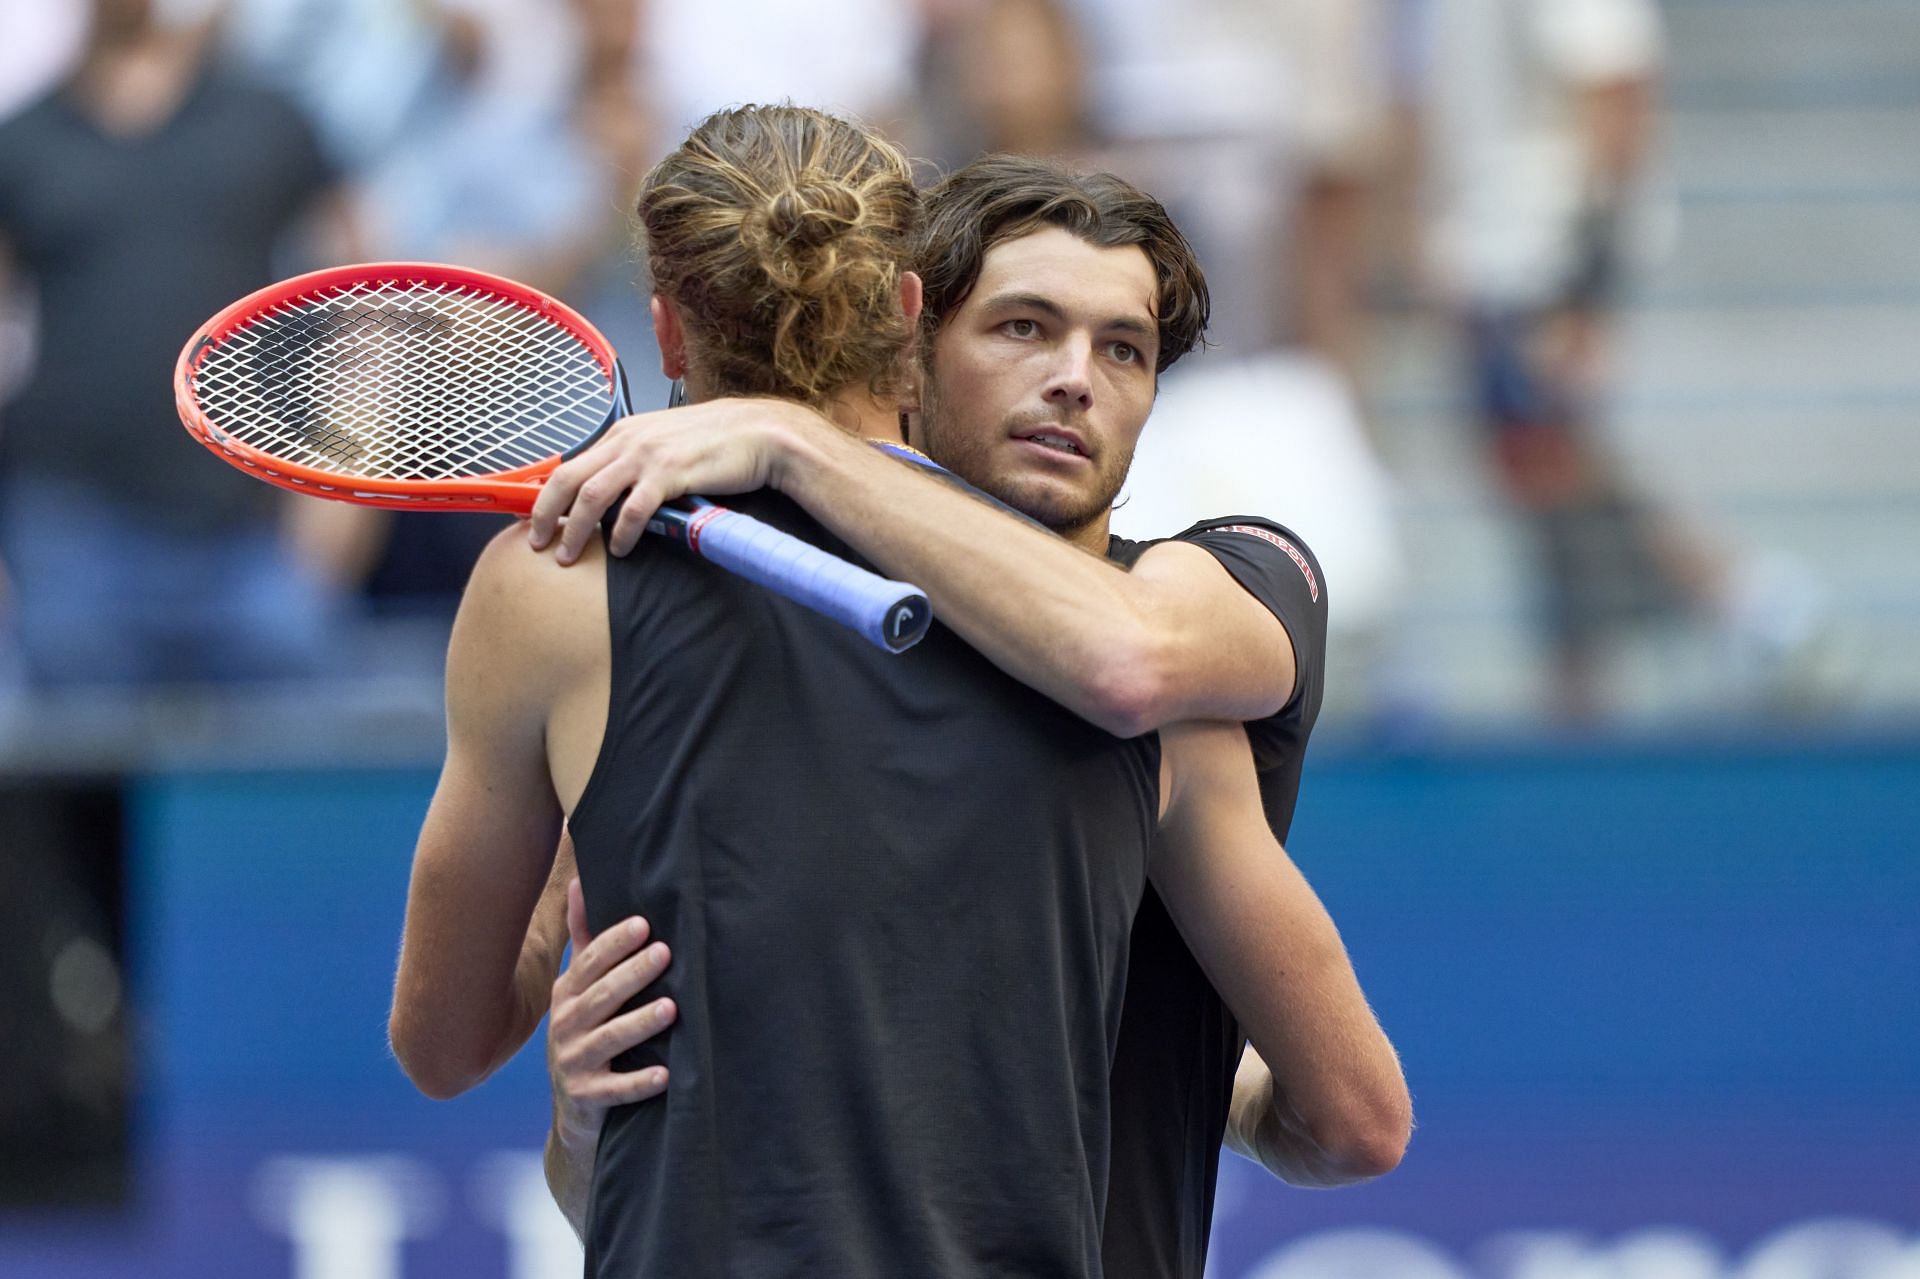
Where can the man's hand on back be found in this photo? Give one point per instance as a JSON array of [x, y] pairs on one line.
[[585, 1033], [587, 1030]]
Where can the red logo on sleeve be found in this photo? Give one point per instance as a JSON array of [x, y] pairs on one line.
[[1293, 552]]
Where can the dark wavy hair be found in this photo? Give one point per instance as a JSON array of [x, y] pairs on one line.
[[1003, 197]]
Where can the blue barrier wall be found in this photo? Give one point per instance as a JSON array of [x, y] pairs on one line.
[[1635, 987]]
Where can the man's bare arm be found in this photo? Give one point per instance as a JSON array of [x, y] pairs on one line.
[[1334, 1107], [1263, 1126], [468, 992], [1176, 638]]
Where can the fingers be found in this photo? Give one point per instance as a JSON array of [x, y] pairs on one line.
[[641, 503], [615, 990], [598, 957], [556, 496], [583, 1096], [650, 458], [624, 1088], [628, 1030], [597, 496]]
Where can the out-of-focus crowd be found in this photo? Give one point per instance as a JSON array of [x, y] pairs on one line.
[[1486, 159]]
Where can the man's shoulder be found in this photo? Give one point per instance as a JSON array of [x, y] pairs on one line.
[[1244, 531], [1240, 543], [523, 601]]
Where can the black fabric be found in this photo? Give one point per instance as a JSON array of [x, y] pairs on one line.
[[1179, 1046], [129, 244], [899, 892]]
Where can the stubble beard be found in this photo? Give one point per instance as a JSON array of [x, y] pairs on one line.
[[968, 457]]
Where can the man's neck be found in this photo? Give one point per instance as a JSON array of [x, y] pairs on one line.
[[1091, 536], [857, 412], [134, 86], [864, 414]]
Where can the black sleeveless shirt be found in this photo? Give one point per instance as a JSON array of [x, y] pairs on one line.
[[899, 891]]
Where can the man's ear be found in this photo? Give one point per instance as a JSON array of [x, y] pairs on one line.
[[912, 297], [911, 373], [672, 337]]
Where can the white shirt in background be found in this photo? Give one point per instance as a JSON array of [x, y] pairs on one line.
[[849, 57], [1278, 436], [1507, 174]]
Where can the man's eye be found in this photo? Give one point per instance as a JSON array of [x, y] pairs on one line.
[[1021, 328], [1126, 353]]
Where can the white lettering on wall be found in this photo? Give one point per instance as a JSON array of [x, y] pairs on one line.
[[346, 1217], [510, 1193]]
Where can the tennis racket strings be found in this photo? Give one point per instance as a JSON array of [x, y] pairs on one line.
[[404, 380]]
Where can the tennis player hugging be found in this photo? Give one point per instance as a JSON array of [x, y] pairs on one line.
[[967, 945]]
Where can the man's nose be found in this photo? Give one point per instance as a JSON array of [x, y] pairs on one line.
[[1070, 381]]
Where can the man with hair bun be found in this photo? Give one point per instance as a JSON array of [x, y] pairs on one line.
[[898, 890], [1005, 347]]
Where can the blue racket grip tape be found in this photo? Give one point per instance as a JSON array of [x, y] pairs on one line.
[[890, 615]]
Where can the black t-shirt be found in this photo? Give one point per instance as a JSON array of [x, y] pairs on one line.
[[1179, 1045], [129, 244], [899, 891]]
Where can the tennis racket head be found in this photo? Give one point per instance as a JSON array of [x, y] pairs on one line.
[[400, 384]]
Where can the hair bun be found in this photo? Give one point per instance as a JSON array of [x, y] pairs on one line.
[[782, 232], [811, 213]]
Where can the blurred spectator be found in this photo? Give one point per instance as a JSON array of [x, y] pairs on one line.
[[851, 57], [521, 161], [1339, 122], [141, 195], [1003, 75], [363, 70], [1189, 100], [1540, 116]]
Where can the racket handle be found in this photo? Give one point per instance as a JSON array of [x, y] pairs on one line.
[[890, 615]]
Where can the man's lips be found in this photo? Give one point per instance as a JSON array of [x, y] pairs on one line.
[[1055, 439]]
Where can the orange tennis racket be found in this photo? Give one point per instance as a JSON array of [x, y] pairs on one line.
[[415, 386]]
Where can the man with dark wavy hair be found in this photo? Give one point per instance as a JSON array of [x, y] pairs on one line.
[[1053, 300], [899, 891]]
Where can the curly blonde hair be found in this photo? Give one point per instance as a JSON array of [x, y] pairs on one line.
[[781, 232]]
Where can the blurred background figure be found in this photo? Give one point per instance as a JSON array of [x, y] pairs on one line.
[[1539, 123], [1337, 56], [144, 191], [851, 57], [1003, 75]]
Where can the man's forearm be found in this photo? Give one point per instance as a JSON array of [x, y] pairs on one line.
[[1053, 616], [1619, 118], [1329, 1103], [1264, 1128], [533, 977], [569, 1168], [541, 954]]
